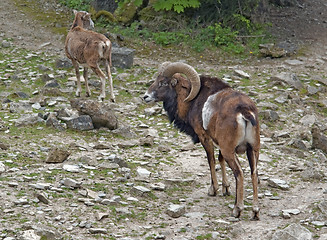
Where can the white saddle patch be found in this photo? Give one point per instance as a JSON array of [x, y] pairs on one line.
[[208, 111]]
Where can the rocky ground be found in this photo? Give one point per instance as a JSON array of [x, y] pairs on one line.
[[144, 180]]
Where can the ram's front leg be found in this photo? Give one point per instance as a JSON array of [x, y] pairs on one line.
[[209, 148]]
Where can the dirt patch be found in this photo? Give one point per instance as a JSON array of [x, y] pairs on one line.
[[304, 24]]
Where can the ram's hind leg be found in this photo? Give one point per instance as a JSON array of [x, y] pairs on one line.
[[112, 96], [253, 157], [87, 88], [78, 78], [234, 164], [225, 184], [101, 75]]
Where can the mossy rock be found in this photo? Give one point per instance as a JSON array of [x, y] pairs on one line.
[[126, 12], [107, 15]]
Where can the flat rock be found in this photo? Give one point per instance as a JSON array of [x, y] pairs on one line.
[[278, 183], [143, 173], [71, 183], [42, 197], [29, 235], [289, 78], [292, 211], [81, 123], [28, 119], [140, 191], [294, 62], [308, 120], [318, 223], [57, 155], [40, 186], [100, 216], [128, 143], [71, 168], [158, 186], [2, 168], [98, 230], [241, 74], [175, 210]]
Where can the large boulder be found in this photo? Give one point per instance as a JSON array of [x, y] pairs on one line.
[[319, 140], [126, 13], [289, 78], [122, 57], [293, 232], [80, 123], [101, 114]]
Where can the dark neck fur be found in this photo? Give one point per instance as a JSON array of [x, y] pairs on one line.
[[170, 105]]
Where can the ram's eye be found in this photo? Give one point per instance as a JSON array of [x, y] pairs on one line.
[[163, 84]]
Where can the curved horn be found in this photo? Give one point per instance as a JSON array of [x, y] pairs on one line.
[[190, 73]]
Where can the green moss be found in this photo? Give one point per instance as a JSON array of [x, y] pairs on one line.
[[126, 12], [105, 14]]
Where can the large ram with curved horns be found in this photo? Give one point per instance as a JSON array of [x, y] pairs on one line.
[[212, 113]]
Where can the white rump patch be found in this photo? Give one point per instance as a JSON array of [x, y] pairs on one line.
[[245, 130], [100, 50], [208, 111]]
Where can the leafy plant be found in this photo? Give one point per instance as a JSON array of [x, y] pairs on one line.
[[226, 38], [175, 5], [82, 5], [166, 38], [223, 35]]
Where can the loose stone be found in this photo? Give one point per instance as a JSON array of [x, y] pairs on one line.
[[140, 191], [175, 210], [277, 183], [98, 230]]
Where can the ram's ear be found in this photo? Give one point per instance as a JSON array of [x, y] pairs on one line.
[[173, 82], [75, 11]]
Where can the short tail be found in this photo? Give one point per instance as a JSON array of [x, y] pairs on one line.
[[105, 50], [248, 113], [249, 116]]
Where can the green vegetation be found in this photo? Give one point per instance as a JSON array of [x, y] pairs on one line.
[[77, 4], [203, 237], [184, 23], [177, 6]]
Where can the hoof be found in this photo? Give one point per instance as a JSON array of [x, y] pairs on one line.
[[255, 216], [212, 191], [226, 191], [78, 94], [237, 212], [88, 94], [112, 98]]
